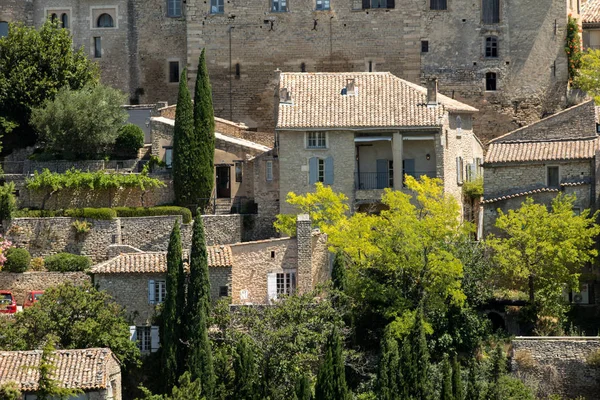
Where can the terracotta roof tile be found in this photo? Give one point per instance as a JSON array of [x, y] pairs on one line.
[[520, 194], [590, 12], [549, 150], [156, 262], [381, 100], [85, 369]]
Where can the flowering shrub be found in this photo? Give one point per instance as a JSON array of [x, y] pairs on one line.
[[4, 246], [573, 48]]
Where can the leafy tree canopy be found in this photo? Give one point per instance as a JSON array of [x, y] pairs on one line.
[[588, 76], [34, 66]]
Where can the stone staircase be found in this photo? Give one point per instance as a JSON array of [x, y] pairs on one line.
[[222, 206]]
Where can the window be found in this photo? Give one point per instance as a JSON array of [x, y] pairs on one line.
[[302, 67], [144, 340], [173, 71], [320, 170], [552, 177], [157, 291], [490, 81], [438, 5], [424, 46], [238, 171], [378, 4], [459, 170], [269, 171], [3, 28], [53, 17], [217, 6], [278, 5], [316, 140], [322, 5], [491, 47], [173, 8], [286, 283], [105, 21], [223, 291], [370, 66], [490, 11], [237, 71], [64, 19], [97, 47], [169, 157], [458, 125]]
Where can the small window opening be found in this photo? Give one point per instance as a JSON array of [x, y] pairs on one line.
[[303, 67], [173, 71], [424, 46], [223, 291], [97, 47], [552, 177], [105, 21], [370, 66], [491, 47], [272, 253], [490, 81], [237, 71], [64, 19], [438, 5]]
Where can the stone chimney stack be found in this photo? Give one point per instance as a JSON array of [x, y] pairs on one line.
[[304, 238], [432, 92]]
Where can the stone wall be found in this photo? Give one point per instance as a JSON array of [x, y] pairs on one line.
[[219, 276], [222, 229], [21, 283], [152, 233], [558, 365]]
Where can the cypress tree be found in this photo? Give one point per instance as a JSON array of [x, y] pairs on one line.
[[302, 390], [183, 144], [421, 388], [170, 327], [472, 386], [457, 385], [388, 378], [446, 380], [324, 386], [338, 273], [331, 380], [181, 315], [199, 359], [204, 133], [497, 369], [244, 368]]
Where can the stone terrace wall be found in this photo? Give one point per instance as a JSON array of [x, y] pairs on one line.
[[222, 229], [20, 284], [558, 365], [152, 233]]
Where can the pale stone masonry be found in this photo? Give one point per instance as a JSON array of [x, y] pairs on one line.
[[360, 133]]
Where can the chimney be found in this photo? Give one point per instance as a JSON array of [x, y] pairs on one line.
[[304, 240], [350, 87], [284, 95], [432, 90]]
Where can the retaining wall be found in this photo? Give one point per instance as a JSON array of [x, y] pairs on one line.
[[21, 283]]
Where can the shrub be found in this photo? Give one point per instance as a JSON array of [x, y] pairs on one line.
[[473, 189], [525, 360], [26, 213], [81, 227], [91, 213], [17, 260], [125, 212], [130, 139], [37, 264], [8, 203], [67, 262], [593, 359]]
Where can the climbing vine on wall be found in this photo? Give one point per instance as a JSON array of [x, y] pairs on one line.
[[573, 47]]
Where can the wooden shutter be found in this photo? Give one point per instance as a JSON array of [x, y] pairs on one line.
[[328, 171], [313, 170], [366, 4], [409, 167], [151, 292], [132, 334], [459, 171], [272, 286], [383, 170], [154, 339], [391, 4]]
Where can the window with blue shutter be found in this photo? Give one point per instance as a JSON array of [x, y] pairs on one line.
[[151, 292], [328, 171], [383, 170], [313, 170]]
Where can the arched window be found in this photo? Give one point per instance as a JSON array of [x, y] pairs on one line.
[[53, 17], [491, 47], [490, 81], [64, 18], [3, 28], [105, 21]]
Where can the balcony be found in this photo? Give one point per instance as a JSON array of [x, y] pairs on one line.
[[383, 180]]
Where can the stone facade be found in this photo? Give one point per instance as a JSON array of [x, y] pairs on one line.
[[248, 41], [21, 283], [557, 365]]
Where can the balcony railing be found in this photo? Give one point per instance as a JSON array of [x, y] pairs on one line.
[[382, 180]]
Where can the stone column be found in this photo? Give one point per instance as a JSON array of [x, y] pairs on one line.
[[304, 238]]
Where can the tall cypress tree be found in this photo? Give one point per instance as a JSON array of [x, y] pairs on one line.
[[446, 380], [389, 368], [421, 388], [497, 369], [170, 328], [204, 133], [302, 390], [183, 145], [457, 385], [338, 273], [331, 380], [472, 385], [244, 367], [199, 358]]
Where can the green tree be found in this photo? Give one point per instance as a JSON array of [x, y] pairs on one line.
[[199, 359], [183, 146], [10, 391], [83, 122], [34, 66], [8, 202], [420, 388], [389, 376], [457, 385], [472, 383], [204, 136], [185, 390], [244, 366], [331, 380], [170, 334], [541, 251], [573, 48], [129, 140], [446, 393], [338, 273], [48, 387], [496, 372], [303, 391], [588, 76], [79, 316]]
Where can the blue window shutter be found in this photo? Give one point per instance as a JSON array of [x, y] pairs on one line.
[[150, 292], [329, 171], [132, 334], [409, 167], [313, 170], [383, 171], [154, 339]]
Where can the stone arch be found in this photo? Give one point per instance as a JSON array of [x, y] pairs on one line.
[[497, 320]]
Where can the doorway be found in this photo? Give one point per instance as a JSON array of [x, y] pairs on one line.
[[223, 181]]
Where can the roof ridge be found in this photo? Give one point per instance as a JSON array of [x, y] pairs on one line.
[[587, 138]]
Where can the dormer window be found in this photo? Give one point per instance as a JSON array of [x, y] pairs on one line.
[[284, 95]]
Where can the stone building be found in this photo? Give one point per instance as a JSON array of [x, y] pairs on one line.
[[95, 371], [558, 154], [505, 58], [363, 132]]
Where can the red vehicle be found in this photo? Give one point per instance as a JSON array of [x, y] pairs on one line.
[[32, 298], [8, 305]]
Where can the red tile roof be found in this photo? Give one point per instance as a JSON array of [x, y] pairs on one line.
[[85, 369], [520, 194], [549, 150], [590, 12]]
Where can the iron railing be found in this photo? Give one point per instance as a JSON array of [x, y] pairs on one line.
[[383, 180]]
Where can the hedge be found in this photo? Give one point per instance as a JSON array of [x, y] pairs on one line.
[[17, 260], [91, 213], [185, 213], [26, 213], [66, 262]]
